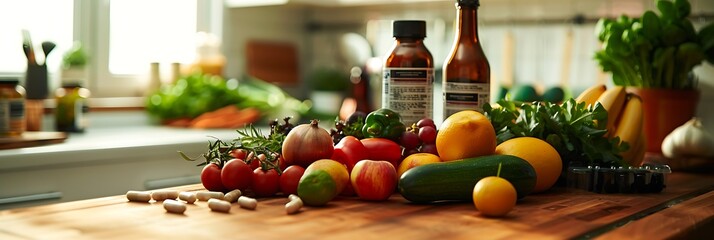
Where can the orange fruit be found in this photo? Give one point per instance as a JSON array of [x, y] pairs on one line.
[[494, 196], [465, 134], [337, 171], [322, 181], [415, 160], [540, 154]]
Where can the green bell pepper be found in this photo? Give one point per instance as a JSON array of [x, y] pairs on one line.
[[383, 123]]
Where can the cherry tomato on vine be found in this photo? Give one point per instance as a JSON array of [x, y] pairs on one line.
[[211, 178], [239, 154], [265, 183], [290, 178], [236, 174]]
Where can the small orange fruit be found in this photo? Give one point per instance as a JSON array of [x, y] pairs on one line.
[[540, 154], [494, 196], [415, 160], [465, 134]]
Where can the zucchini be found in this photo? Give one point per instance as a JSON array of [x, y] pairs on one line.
[[455, 180]]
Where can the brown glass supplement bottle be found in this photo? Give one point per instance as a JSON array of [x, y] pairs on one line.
[[466, 72], [408, 79]]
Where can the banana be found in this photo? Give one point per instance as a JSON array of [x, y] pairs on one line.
[[613, 100], [629, 126], [590, 95], [640, 150]]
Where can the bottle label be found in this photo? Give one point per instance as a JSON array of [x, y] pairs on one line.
[[12, 115], [465, 96], [409, 91]]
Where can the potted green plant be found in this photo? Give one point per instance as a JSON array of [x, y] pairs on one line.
[[74, 64], [328, 87], [653, 56]]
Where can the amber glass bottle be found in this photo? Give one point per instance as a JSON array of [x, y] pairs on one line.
[[466, 73], [408, 79]]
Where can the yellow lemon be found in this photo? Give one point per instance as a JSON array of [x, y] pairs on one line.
[[465, 134], [540, 154]]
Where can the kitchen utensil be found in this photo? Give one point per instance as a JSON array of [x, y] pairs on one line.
[[27, 47], [47, 47]]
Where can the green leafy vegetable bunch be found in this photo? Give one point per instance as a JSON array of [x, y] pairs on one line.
[[654, 51]]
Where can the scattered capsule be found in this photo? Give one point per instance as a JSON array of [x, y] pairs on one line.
[[219, 205], [174, 206], [233, 196], [292, 197], [189, 197], [205, 195], [138, 196], [293, 206], [247, 203], [162, 195]]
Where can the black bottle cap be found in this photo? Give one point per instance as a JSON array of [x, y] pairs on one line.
[[468, 3], [409, 29]]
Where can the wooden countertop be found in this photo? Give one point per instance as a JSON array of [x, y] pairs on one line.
[[684, 209]]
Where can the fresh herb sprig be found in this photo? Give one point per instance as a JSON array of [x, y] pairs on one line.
[[576, 131], [218, 152], [259, 147]]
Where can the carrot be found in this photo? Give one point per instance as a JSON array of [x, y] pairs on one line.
[[226, 118]]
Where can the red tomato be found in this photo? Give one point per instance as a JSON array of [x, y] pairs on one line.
[[236, 174], [290, 178], [254, 162], [349, 151], [265, 183], [383, 149], [282, 163], [239, 154], [211, 178]]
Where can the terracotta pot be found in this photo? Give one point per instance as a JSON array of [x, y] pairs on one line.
[[665, 110]]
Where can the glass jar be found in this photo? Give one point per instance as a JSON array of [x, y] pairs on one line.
[[12, 108], [70, 113]]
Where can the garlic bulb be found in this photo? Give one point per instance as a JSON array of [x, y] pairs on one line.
[[688, 140]]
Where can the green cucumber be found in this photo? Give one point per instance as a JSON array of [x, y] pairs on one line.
[[455, 180]]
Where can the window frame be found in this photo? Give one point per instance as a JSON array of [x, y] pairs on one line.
[[91, 27]]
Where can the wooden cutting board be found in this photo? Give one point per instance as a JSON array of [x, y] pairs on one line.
[[32, 139], [557, 214]]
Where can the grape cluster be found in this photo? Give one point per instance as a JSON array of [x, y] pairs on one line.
[[420, 137], [277, 128]]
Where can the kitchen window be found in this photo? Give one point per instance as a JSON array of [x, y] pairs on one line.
[[45, 20], [122, 37]]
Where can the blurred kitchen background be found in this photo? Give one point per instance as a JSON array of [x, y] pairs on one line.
[[543, 43], [301, 46]]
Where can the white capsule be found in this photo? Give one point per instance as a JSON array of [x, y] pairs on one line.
[[232, 196], [205, 195], [293, 206], [162, 195], [189, 197], [174, 206], [138, 196], [247, 203], [219, 205], [293, 197]]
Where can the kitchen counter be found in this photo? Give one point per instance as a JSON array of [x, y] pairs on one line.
[[119, 150], [685, 209]]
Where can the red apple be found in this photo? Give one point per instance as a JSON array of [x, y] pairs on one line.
[[374, 180]]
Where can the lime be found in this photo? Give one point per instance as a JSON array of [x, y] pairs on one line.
[[317, 188]]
